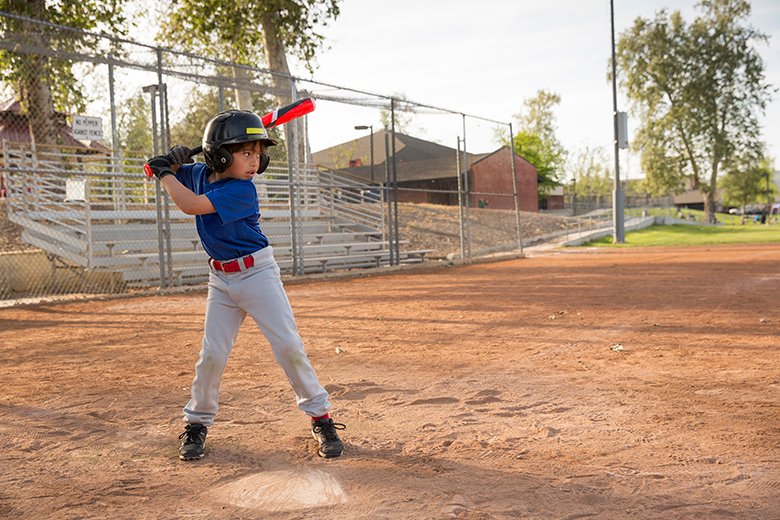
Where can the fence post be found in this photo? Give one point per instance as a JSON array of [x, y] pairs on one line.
[[165, 137], [460, 201], [152, 89], [514, 187], [88, 221], [387, 195], [298, 228], [292, 183], [394, 249], [118, 181], [381, 189], [466, 190]]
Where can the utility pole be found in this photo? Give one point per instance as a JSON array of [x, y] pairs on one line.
[[617, 193]]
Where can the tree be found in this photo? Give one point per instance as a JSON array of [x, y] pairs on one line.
[[536, 140], [134, 126], [699, 89], [43, 83], [403, 114], [749, 185], [270, 28], [590, 171], [539, 118], [546, 160]]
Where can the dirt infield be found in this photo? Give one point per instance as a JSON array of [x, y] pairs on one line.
[[487, 391]]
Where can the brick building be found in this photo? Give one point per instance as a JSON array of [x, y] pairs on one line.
[[492, 173], [427, 171]]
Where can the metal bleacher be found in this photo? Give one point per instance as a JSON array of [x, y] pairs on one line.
[[98, 212]]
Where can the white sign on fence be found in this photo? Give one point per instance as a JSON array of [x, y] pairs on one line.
[[87, 128], [75, 190]]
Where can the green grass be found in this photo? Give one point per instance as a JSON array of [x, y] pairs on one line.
[[697, 214], [692, 235]]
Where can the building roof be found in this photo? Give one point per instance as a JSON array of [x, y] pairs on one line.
[[415, 159], [483, 156], [14, 127]]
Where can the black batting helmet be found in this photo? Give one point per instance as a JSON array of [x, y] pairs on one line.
[[230, 127]]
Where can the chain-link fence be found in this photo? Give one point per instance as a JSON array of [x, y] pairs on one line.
[[81, 112]]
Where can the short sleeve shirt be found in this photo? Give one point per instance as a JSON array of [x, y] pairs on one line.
[[234, 230]]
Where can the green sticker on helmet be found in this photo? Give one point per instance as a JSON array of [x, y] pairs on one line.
[[251, 131]]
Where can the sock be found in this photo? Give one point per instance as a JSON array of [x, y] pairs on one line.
[[321, 418]]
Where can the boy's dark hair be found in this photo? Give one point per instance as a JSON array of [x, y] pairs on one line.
[[235, 147]]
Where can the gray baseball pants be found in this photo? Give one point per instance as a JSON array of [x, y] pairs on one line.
[[257, 291]]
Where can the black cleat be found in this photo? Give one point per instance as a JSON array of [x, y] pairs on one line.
[[324, 431], [193, 444]]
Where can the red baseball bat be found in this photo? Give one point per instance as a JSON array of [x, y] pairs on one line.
[[274, 118]]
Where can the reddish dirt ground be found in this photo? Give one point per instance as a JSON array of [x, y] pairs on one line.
[[482, 391]]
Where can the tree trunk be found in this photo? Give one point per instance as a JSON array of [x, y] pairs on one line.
[[36, 91], [709, 196], [276, 57], [243, 96], [40, 107], [709, 206]]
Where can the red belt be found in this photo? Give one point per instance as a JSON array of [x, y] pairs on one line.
[[233, 266]]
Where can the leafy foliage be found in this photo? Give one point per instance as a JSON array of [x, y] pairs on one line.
[[538, 117], [699, 89], [134, 125], [403, 114], [589, 168], [235, 27], [536, 140], [749, 185], [89, 15]]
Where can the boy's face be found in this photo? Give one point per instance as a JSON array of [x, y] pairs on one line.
[[246, 161]]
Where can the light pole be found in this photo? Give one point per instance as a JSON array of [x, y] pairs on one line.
[[371, 129], [617, 196]]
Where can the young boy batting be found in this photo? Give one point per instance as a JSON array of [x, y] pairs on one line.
[[244, 277]]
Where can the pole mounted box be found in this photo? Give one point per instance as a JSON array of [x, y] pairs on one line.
[[622, 126]]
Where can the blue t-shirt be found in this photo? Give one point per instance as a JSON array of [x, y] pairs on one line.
[[234, 230]]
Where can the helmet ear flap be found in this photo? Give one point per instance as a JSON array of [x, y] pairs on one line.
[[218, 159], [265, 159]]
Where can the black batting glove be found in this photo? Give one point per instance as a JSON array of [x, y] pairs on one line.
[[180, 155], [160, 166]]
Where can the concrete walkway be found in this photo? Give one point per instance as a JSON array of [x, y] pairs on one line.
[[580, 238]]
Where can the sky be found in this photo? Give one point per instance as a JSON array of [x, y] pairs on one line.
[[484, 58]]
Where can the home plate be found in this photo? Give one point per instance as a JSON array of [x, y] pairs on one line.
[[283, 490]]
